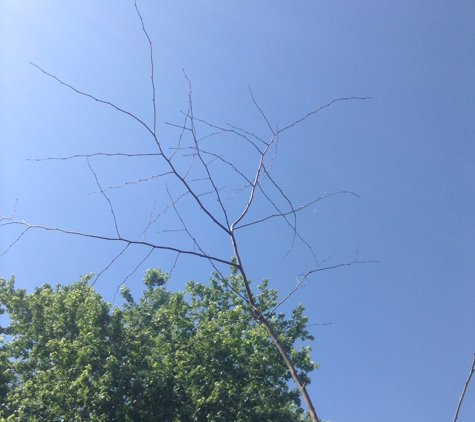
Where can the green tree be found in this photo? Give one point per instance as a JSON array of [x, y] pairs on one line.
[[170, 356]]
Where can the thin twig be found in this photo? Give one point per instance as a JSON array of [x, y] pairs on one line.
[[14, 208], [300, 208], [121, 110], [105, 196], [151, 69], [318, 268], [260, 110], [132, 273], [109, 264], [321, 108], [144, 233], [174, 264], [133, 182], [105, 154], [472, 370], [15, 241]]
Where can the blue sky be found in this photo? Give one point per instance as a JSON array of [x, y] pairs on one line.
[[402, 335]]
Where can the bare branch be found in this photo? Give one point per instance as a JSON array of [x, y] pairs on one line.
[[151, 69], [106, 154], [118, 239], [134, 182], [235, 131], [144, 233], [199, 247], [293, 212], [193, 193], [174, 264], [229, 163], [164, 211], [109, 264], [318, 268], [321, 108], [105, 196], [16, 240], [300, 208], [472, 370], [132, 273], [198, 152], [180, 138], [260, 110], [173, 203], [14, 208], [172, 167], [247, 133], [98, 100], [253, 186]]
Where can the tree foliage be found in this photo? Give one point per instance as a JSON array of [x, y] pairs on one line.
[[195, 355]]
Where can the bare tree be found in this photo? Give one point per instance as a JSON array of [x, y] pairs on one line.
[[189, 170]]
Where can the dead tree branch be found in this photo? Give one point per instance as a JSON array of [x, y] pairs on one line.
[[120, 239]]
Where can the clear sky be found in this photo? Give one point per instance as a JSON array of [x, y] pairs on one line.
[[402, 331]]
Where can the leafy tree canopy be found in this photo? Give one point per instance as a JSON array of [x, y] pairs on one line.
[[67, 355]]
